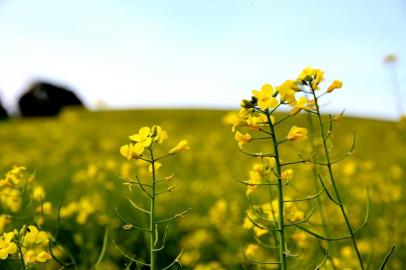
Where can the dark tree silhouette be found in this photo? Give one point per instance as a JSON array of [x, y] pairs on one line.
[[45, 99], [3, 112]]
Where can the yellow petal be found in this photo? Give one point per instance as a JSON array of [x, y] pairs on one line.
[[135, 137], [267, 90], [144, 132], [138, 149], [126, 150], [334, 85]]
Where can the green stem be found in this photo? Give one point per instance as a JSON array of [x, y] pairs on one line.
[[152, 216], [22, 258], [317, 183], [330, 171], [281, 224]]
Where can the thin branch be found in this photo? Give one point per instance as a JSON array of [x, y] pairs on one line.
[[259, 225], [137, 207], [329, 239], [126, 222], [318, 267], [309, 215], [328, 193], [387, 257], [174, 261], [307, 198], [181, 214], [163, 240], [128, 180], [131, 258], [142, 187]]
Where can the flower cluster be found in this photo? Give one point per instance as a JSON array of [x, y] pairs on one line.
[[29, 242], [34, 245], [145, 137], [141, 148], [257, 122], [263, 103]]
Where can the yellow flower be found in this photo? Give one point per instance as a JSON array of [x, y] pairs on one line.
[[86, 208], [143, 137], [287, 91], [255, 122], [7, 247], [251, 250], [334, 85], [311, 75], [11, 198], [45, 208], [301, 104], [182, 146], [141, 140], [159, 134], [132, 151], [4, 220], [35, 237], [300, 238], [31, 257], [297, 134], [43, 257], [69, 210], [157, 166], [38, 193], [247, 224], [265, 99], [242, 139], [235, 118], [317, 79], [287, 174], [391, 58], [259, 231], [13, 177]]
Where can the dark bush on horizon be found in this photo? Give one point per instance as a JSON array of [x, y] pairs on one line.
[[46, 99], [3, 112]]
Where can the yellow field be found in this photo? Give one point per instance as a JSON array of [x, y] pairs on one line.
[[76, 158]]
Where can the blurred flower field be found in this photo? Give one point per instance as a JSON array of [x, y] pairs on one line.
[[74, 168]]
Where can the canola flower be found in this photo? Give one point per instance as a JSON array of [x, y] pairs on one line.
[[7, 246], [297, 134], [264, 97], [257, 115], [29, 245], [281, 211], [310, 78], [142, 147]]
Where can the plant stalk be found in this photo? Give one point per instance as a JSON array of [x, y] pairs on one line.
[[152, 216], [330, 171], [281, 227]]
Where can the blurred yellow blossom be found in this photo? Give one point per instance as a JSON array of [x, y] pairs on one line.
[[157, 166], [242, 138], [181, 146], [159, 134], [297, 134], [287, 92], [336, 84], [38, 193], [301, 104]]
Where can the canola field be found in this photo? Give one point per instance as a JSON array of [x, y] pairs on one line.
[[75, 172]]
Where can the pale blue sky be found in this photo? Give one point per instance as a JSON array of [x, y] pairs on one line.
[[207, 53]]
